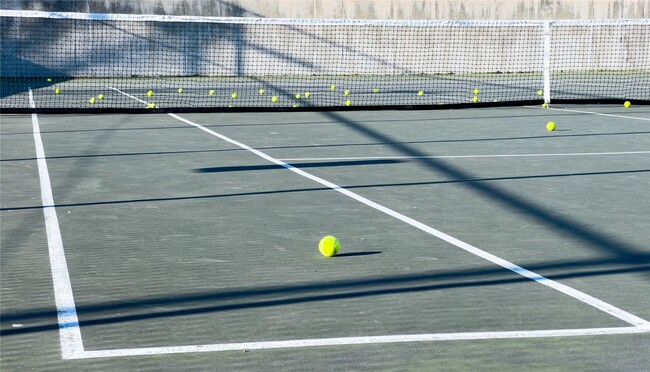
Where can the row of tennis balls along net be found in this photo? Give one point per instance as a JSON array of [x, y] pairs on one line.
[[298, 96]]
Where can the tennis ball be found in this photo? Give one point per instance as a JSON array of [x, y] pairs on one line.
[[347, 92], [550, 126], [151, 105], [296, 105], [57, 90], [376, 90], [101, 97], [274, 99], [421, 93], [476, 91], [348, 103], [262, 91], [545, 105], [150, 93], [627, 104], [234, 95], [329, 246], [230, 106], [92, 100], [540, 92], [307, 94], [180, 90], [49, 80], [211, 92], [333, 87], [298, 96], [475, 99]]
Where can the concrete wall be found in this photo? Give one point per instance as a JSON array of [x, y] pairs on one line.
[[361, 9]]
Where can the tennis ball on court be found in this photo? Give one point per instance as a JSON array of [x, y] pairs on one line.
[[92, 100], [49, 80], [101, 97], [627, 104], [296, 105], [545, 105], [348, 103], [540, 92], [298, 96], [347, 92], [307, 94], [333, 87], [476, 91], [376, 90], [211, 92], [180, 90], [262, 91], [151, 105], [421, 93], [475, 99], [57, 90], [150, 93], [550, 126], [274, 99], [234, 95], [329, 246], [230, 106]]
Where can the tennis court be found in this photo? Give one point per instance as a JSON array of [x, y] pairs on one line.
[[472, 237], [186, 242]]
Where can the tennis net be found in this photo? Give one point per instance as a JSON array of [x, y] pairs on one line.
[[84, 61]]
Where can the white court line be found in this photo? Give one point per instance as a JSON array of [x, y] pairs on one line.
[[362, 341], [581, 296], [66, 311], [590, 112], [467, 156], [128, 95]]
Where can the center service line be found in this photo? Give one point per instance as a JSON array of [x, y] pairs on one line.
[[581, 296]]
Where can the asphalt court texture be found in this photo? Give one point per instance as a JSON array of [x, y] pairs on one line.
[[175, 237]]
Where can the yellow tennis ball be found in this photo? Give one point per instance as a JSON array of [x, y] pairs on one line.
[[545, 105], [550, 126], [347, 92], [421, 93], [296, 105], [476, 91], [540, 92], [180, 90], [150, 93], [49, 80], [274, 99], [262, 91], [475, 99], [211, 92], [376, 90], [627, 104], [307, 94], [333, 87], [329, 246], [151, 105], [298, 96], [92, 100], [348, 103], [101, 97], [234, 95], [57, 90]]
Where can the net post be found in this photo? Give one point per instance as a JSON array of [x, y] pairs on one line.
[[547, 62]]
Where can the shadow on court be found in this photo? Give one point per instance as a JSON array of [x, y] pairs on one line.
[[259, 297]]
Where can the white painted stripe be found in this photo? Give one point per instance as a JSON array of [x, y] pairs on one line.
[[601, 305], [69, 332], [467, 156], [128, 95], [362, 341], [591, 112]]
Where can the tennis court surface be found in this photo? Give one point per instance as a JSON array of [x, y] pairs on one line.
[[470, 239], [187, 237]]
